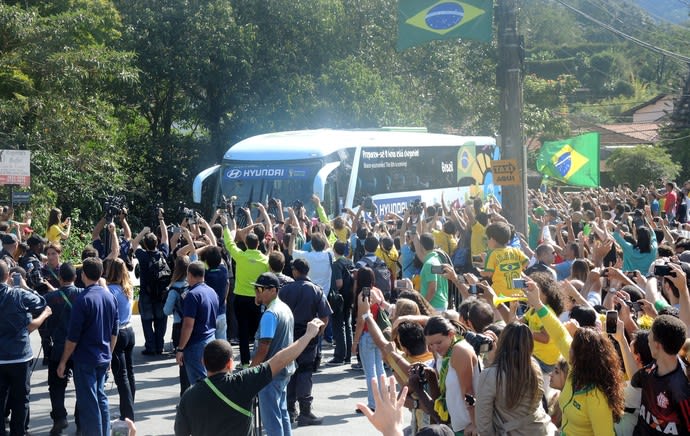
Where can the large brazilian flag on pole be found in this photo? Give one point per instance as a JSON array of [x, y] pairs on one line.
[[420, 21], [574, 161]]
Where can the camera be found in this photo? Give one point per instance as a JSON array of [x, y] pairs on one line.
[[229, 205], [297, 205], [113, 206], [418, 370], [189, 214], [662, 270], [416, 207], [481, 343]]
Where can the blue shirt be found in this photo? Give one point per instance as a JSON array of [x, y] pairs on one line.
[[633, 259], [93, 323], [201, 303], [217, 279], [407, 262], [124, 304], [16, 309], [172, 300], [563, 269]]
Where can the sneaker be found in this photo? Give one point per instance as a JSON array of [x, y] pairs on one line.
[[356, 366], [335, 362]]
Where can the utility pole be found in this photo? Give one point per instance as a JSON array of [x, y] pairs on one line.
[[510, 79]]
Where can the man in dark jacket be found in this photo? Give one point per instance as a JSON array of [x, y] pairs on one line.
[[60, 302], [307, 301], [21, 312]]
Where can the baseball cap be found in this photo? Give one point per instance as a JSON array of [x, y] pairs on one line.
[[8, 238], [301, 265], [267, 280], [539, 211]]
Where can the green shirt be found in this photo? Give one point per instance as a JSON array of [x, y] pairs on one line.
[[250, 265], [440, 300]]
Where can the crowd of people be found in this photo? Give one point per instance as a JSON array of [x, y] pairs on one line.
[[578, 327]]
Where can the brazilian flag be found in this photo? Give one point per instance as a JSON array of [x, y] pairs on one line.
[[574, 161], [420, 21]]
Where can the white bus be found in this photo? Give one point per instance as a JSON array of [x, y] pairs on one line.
[[343, 167]]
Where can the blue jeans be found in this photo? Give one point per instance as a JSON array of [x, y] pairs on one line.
[[89, 383], [154, 323], [193, 360], [222, 326], [273, 408], [372, 363]]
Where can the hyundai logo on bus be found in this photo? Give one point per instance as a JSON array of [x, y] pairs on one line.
[[396, 205], [505, 172], [265, 173]]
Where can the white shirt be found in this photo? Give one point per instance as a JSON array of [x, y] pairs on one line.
[[319, 267]]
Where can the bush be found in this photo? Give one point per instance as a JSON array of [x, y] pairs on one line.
[[641, 164]]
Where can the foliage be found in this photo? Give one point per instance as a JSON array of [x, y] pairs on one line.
[[639, 165], [57, 99]]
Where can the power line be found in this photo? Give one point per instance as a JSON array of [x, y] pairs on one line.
[[648, 46]]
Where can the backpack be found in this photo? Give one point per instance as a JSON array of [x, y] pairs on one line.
[[382, 275], [158, 278], [182, 292], [358, 253]]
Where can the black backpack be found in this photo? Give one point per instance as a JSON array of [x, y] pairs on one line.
[[382, 275], [358, 253], [158, 278], [182, 291]]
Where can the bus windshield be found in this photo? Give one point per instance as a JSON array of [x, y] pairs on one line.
[[261, 181]]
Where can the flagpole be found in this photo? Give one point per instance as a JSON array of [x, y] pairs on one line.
[[510, 79]]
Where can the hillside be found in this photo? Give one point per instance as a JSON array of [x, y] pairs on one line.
[[675, 11]]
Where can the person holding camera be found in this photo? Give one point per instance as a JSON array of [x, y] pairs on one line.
[[57, 230], [507, 406], [372, 360], [153, 319], [250, 263]]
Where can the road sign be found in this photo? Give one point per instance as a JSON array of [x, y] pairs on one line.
[[506, 172], [20, 197], [15, 167]]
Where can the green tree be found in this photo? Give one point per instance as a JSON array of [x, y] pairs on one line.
[[60, 75], [639, 165]]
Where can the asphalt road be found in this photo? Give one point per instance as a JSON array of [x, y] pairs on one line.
[[336, 391]]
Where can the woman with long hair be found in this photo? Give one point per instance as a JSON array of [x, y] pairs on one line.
[[372, 360], [457, 366], [57, 229], [117, 278], [640, 254], [592, 397], [507, 407], [173, 306]]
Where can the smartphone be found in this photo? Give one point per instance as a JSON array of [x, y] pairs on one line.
[[611, 321], [413, 228], [16, 280], [473, 289], [519, 284], [366, 292], [436, 269], [662, 270], [402, 284]]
